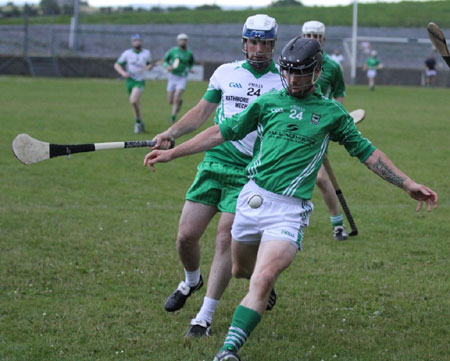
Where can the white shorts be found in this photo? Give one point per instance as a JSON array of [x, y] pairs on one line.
[[430, 73], [176, 82], [277, 218], [371, 73]]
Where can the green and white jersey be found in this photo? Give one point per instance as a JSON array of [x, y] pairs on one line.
[[134, 62], [293, 136], [185, 60], [372, 63], [331, 78], [234, 86]]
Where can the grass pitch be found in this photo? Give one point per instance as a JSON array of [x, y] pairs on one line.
[[88, 252]]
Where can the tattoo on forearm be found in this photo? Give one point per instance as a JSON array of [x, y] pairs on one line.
[[387, 173]]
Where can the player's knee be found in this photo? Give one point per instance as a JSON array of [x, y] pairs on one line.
[[241, 271], [223, 243], [186, 240], [321, 181], [262, 282], [223, 239]]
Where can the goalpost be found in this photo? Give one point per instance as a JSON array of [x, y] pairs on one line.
[[394, 52]]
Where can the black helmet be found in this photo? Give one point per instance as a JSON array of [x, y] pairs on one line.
[[301, 57]]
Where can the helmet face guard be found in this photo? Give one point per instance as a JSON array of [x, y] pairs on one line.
[[300, 63], [258, 60], [299, 81], [319, 37]]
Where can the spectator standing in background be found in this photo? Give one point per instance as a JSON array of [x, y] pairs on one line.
[[430, 70], [338, 58]]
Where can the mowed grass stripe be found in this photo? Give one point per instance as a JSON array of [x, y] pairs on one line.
[[88, 244]]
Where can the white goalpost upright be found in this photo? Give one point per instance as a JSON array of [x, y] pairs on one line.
[[354, 41]]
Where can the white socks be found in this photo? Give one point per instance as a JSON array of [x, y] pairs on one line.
[[209, 305], [192, 278], [207, 310]]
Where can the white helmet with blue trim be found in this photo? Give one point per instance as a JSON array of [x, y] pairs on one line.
[[262, 28]]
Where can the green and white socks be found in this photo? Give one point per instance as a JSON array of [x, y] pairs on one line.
[[337, 220], [244, 322]]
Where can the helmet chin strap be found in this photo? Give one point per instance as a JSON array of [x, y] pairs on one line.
[[259, 64]]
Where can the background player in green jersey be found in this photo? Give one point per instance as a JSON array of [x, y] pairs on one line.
[[331, 82], [221, 175], [178, 61], [132, 65], [371, 66], [294, 127]]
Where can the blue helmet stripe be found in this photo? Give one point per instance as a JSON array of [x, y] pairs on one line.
[[259, 34]]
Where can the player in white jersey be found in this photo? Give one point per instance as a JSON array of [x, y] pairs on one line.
[[132, 65], [221, 174]]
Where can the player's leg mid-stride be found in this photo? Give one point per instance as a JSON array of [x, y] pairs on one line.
[[178, 61], [132, 65], [222, 174], [273, 208]]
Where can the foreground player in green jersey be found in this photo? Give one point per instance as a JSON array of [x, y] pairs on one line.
[[294, 127], [178, 61], [221, 175], [331, 82]]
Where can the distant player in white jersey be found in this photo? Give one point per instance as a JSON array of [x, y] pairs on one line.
[[221, 175], [132, 65]]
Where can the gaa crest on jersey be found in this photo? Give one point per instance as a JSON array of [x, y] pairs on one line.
[[235, 85], [315, 118]]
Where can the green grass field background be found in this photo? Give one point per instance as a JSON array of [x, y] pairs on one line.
[[88, 244]]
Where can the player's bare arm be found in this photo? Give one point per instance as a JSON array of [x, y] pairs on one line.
[[380, 164], [205, 140], [191, 121], [119, 68]]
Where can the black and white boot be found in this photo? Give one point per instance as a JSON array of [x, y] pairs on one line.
[[178, 297], [199, 328]]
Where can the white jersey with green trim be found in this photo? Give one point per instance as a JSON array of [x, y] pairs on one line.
[[135, 62], [239, 85]]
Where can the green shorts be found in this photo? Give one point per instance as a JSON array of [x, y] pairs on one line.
[[131, 83], [217, 185]]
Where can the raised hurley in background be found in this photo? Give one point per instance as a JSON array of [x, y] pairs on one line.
[[29, 150], [437, 37]]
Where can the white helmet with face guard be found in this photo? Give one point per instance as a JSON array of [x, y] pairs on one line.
[[259, 28], [314, 29]]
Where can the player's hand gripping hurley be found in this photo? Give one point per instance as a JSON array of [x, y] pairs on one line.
[[29, 150], [358, 116]]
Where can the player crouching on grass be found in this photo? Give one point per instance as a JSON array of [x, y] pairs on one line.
[[331, 82], [132, 65], [221, 175], [273, 208]]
